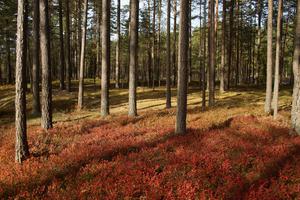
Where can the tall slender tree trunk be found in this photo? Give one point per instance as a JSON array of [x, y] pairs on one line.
[[82, 56], [133, 56], [105, 78], [118, 45], [269, 59], [99, 53], [205, 59], [190, 44], [68, 48], [168, 71], [46, 120], [153, 45], [257, 57], [36, 108], [149, 46], [79, 37], [174, 42], [159, 42], [21, 148], [277, 59], [211, 47], [223, 67], [62, 47], [182, 68], [237, 33], [230, 53], [295, 115]]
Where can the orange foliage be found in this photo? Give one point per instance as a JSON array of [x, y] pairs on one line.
[[243, 157]]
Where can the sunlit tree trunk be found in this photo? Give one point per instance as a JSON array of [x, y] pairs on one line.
[[174, 57], [257, 57], [118, 45], [133, 56], [21, 148], [82, 57], [205, 61], [105, 77], [277, 59], [182, 68], [153, 45], [168, 71], [269, 59], [296, 69], [46, 100], [211, 47], [223, 67]]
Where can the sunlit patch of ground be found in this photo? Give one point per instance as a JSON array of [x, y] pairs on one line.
[[231, 151]]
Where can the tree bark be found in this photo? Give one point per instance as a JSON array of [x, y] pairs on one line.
[[182, 68], [168, 71], [174, 42], [153, 45], [230, 45], [269, 59], [118, 46], [211, 47], [105, 78], [62, 47], [133, 57], [68, 49], [46, 100], [82, 56], [223, 55], [277, 59], [21, 148], [295, 117], [36, 108]]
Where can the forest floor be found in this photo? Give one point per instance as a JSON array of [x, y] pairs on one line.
[[231, 151]]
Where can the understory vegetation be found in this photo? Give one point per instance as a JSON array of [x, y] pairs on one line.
[[231, 151]]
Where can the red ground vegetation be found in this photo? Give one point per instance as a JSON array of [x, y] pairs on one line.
[[223, 156]]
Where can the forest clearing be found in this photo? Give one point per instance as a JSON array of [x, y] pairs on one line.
[[231, 151]]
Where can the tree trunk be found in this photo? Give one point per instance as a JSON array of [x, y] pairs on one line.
[[204, 81], [257, 57], [269, 59], [62, 47], [118, 46], [168, 71], [174, 42], [36, 108], [21, 148], [68, 49], [82, 56], [99, 21], [153, 45], [211, 47], [159, 42], [230, 45], [277, 59], [296, 91], [182, 68], [223, 55], [133, 56], [46, 120], [79, 37], [105, 78]]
